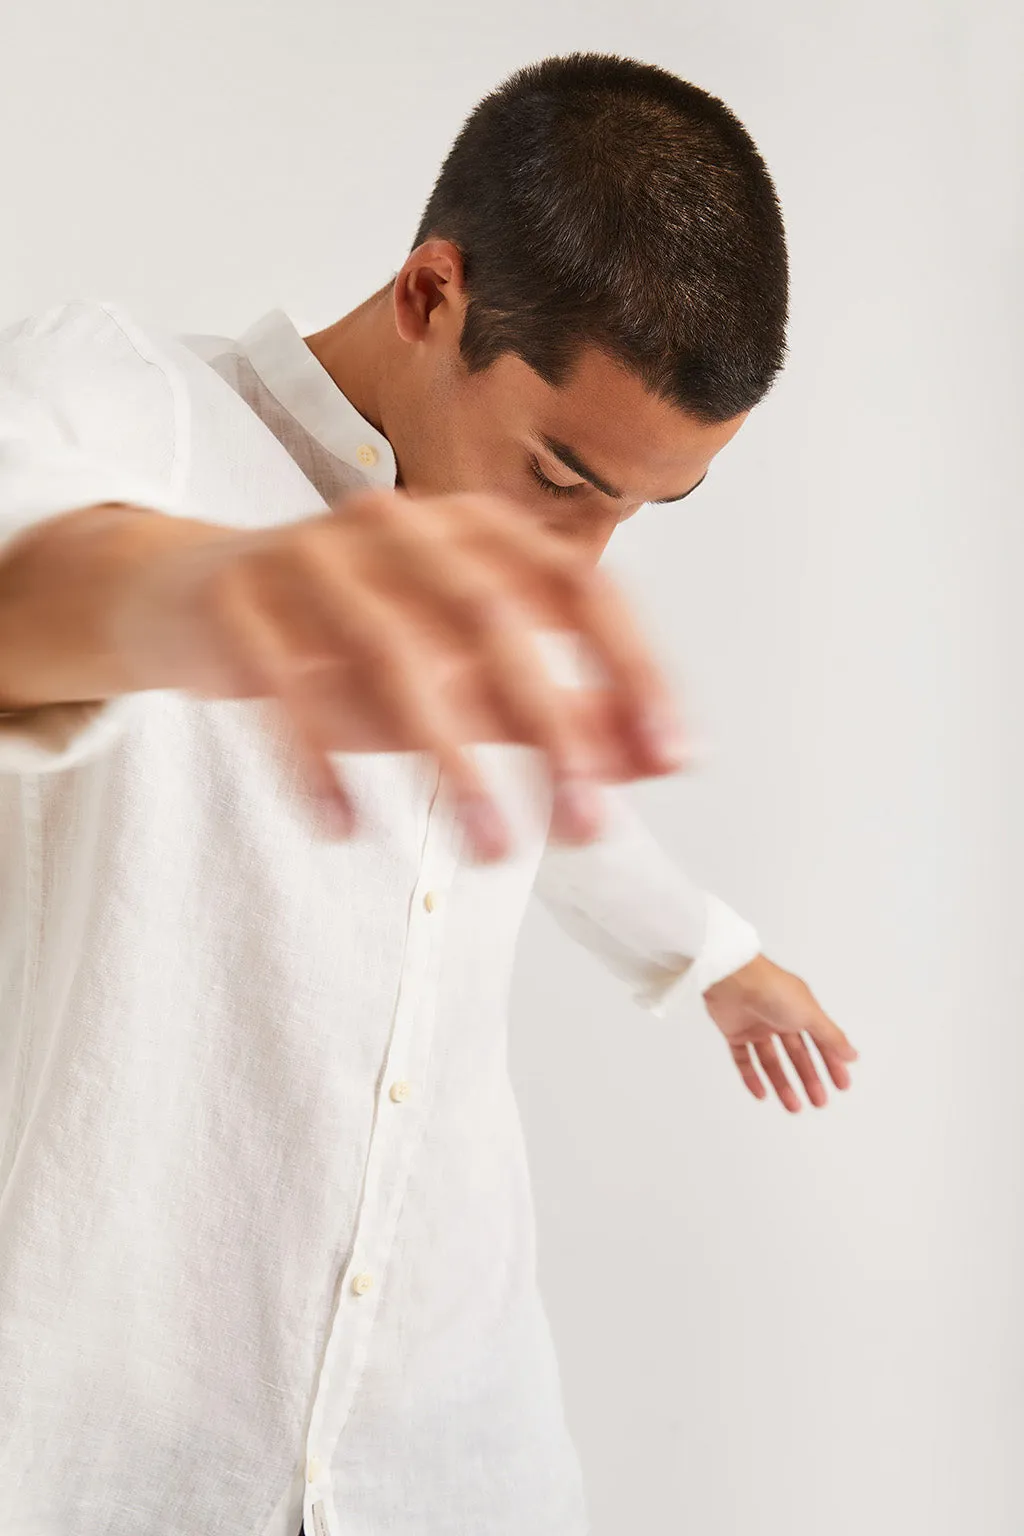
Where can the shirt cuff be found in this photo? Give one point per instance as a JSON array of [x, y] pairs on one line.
[[730, 942]]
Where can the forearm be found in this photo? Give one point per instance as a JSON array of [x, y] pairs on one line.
[[63, 584], [631, 905]]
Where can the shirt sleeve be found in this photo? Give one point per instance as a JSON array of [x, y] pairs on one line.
[[626, 901], [90, 413]]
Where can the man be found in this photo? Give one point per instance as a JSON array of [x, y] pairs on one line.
[[266, 1241]]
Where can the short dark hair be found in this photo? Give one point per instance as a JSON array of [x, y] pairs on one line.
[[596, 199]]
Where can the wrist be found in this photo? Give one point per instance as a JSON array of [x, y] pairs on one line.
[[730, 944], [740, 984]]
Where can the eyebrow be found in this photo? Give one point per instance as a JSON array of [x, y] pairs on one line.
[[572, 461]]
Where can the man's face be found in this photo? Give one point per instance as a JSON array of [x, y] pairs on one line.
[[605, 444]]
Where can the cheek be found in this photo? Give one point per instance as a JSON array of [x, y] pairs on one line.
[[480, 453], [481, 462]]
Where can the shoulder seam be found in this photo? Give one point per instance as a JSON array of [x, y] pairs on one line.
[[145, 348]]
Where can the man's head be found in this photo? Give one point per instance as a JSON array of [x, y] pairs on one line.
[[596, 297]]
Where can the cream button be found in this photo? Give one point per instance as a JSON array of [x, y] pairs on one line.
[[361, 1284], [313, 1469], [366, 454], [400, 1090], [431, 900]]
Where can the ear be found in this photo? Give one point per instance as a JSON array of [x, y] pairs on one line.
[[429, 291]]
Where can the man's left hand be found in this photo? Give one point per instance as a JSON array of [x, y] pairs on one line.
[[761, 1001]]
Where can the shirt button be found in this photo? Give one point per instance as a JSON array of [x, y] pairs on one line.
[[366, 454], [361, 1284], [400, 1090], [313, 1469], [431, 900]]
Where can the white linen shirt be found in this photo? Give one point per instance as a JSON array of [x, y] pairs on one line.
[[266, 1233]]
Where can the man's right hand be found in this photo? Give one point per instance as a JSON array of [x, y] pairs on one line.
[[396, 622]]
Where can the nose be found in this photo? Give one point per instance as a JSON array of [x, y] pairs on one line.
[[588, 541]]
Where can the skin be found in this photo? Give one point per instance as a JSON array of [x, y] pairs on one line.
[[405, 619], [396, 358]]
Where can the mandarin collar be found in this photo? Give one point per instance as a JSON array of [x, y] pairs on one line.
[[301, 384]]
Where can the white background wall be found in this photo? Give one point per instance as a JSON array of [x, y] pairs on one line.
[[766, 1326]]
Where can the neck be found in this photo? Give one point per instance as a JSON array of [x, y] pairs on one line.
[[360, 352]]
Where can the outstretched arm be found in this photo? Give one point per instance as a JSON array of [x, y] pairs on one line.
[[669, 940]]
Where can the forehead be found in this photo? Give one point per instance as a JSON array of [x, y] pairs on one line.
[[610, 419]]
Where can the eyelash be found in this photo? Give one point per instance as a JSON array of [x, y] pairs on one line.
[[549, 485]]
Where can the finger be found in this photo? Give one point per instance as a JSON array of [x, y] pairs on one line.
[[836, 1068], [805, 1069], [381, 676], [775, 1073], [524, 696], [258, 647], [514, 681], [747, 1070], [411, 705], [834, 1063], [579, 592], [827, 1035], [647, 712]]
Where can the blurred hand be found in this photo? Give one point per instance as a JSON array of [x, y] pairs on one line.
[[398, 623], [760, 1002]]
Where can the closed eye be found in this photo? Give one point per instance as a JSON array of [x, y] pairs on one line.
[[551, 486]]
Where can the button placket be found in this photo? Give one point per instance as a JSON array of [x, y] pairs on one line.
[[392, 1141]]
